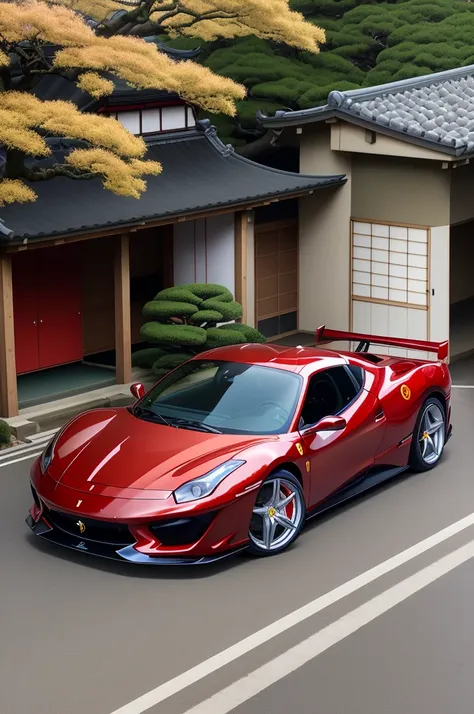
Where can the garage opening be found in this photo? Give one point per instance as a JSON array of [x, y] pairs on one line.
[[461, 291]]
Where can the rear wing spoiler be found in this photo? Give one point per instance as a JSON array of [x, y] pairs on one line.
[[323, 334]]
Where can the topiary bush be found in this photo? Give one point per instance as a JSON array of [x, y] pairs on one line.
[[170, 361], [250, 333], [173, 335], [183, 321], [220, 337], [5, 433], [145, 359]]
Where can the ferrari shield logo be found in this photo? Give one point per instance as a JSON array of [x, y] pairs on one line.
[[405, 392], [299, 448], [81, 527]]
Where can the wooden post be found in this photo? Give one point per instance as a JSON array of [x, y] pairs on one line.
[[241, 222], [8, 386], [123, 327]]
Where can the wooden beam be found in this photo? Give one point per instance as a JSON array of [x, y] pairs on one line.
[[240, 243], [123, 328], [8, 386]]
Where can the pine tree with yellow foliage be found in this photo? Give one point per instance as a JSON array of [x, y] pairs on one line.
[[93, 39]]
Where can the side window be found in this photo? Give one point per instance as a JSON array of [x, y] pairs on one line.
[[329, 392], [357, 373]]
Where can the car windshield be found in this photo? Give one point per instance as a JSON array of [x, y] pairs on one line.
[[224, 397]]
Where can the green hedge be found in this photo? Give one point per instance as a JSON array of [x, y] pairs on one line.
[[229, 310], [170, 335], [210, 290], [219, 337], [206, 316], [145, 359], [181, 294], [171, 361], [250, 333], [5, 433], [164, 310]]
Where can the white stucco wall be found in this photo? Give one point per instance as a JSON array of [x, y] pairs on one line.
[[324, 237]]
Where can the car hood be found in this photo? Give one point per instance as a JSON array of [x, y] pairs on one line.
[[112, 447]]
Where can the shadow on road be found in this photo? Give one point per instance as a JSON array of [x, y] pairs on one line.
[[196, 572]]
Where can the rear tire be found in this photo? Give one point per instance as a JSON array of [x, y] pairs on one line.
[[278, 515], [429, 436]]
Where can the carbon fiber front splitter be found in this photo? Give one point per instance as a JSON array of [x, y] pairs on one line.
[[126, 553]]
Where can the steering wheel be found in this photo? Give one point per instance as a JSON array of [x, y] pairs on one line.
[[278, 407]]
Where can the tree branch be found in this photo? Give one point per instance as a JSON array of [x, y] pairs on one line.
[[43, 174]]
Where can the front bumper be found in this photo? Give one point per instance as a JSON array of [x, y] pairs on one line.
[[127, 553]]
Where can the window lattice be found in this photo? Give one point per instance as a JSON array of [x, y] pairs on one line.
[[390, 263]]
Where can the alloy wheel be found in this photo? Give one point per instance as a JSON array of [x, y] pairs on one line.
[[431, 434], [277, 516]]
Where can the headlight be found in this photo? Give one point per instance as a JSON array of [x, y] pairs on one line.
[[47, 455], [204, 485]]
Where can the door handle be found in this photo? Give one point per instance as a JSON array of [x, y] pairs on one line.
[[379, 417]]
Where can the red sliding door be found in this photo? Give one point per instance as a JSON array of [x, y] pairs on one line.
[[47, 303]]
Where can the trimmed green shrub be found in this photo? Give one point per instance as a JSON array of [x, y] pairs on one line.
[[171, 335], [206, 316], [163, 310], [145, 359], [210, 290], [229, 310], [250, 333], [171, 361], [5, 433], [195, 304], [220, 337], [182, 294]]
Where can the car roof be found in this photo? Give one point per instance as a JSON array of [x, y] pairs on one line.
[[293, 359]]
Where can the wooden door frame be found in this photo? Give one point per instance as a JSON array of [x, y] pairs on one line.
[[8, 383]]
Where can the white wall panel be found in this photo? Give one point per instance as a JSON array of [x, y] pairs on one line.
[[200, 250], [221, 251], [173, 118], [151, 121], [361, 316], [130, 120], [204, 251], [439, 278], [183, 253]]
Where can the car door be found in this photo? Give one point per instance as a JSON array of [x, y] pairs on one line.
[[337, 456]]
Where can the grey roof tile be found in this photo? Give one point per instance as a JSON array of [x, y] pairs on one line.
[[200, 174], [436, 110]]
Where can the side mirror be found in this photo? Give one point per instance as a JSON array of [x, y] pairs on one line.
[[329, 423], [137, 390]]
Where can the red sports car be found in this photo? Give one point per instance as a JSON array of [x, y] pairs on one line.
[[237, 447]]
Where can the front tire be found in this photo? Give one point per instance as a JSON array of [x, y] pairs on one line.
[[278, 515], [429, 436]]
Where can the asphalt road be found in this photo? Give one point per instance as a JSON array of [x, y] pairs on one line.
[[376, 635]]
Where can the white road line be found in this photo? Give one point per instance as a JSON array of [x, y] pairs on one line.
[[18, 451], [232, 653], [462, 386], [39, 441], [21, 458], [43, 435], [244, 689]]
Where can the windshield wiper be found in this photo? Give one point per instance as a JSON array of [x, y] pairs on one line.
[[195, 425], [148, 412]]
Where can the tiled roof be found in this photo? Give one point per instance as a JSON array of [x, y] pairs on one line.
[[435, 110], [200, 175]]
